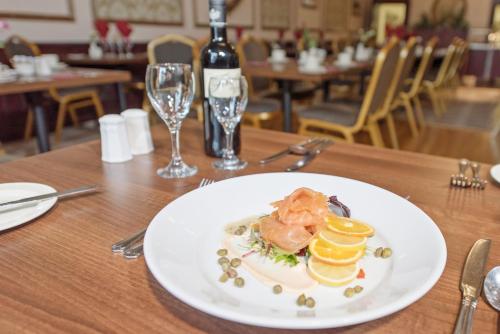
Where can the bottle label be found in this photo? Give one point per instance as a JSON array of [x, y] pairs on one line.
[[209, 73], [217, 16]]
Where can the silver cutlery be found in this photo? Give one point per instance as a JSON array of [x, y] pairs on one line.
[[461, 180], [58, 194], [130, 247], [492, 288], [477, 182], [300, 148], [471, 284], [323, 144]]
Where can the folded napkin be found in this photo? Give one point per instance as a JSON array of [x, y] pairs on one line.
[[102, 28], [124, 28]]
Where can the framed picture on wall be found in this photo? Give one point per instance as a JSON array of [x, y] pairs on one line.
[[275, 14], [31, 9], [162, 12], [240, 13], [336, 15]]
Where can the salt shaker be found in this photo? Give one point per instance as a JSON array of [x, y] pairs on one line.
[[138, 131], [114, 140]]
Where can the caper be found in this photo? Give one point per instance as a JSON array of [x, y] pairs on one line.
[[231, 273], [240, 230], [222, 252], [378, 252], [310, 302], [277, 289], [358, 288], [239, 282], [223, 278], [301, 300], [387, 252], [224, 266], [349, 292], [223, 260], [235, 262]]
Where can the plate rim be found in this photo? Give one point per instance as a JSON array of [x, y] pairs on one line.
[[304, 323], [51, 202]]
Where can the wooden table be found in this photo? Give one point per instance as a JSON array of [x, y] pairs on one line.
[[82, 59], [58, 275], [69, 78], [289, 72]]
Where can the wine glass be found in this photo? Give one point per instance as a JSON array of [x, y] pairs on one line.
[[228, 97], [170, 89]]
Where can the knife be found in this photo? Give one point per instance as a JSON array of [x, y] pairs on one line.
[[310, 156], [471, 284], [59, 194]]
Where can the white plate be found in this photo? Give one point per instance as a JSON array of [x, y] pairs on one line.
[[181, 243], [495, 173], [14, 215]]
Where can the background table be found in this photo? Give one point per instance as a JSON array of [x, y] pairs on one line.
[[289, 72], [69, 78], [58, 275], [82, 59]]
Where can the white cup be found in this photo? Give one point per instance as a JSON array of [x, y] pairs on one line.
[[42, 67], [344, 58], [24, 65], [312, 62], [278, 55], [52, 59], [138, 131], [114, 140]]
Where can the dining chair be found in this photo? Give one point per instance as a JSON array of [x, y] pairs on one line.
[[434, 88], [405, 65], [349, 118], [69, 100], [411, 95], [173, 48], [264, 92]]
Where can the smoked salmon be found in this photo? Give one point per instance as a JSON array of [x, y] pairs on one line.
[[298, 217]]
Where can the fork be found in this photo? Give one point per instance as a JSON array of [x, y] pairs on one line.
[[125, 246], [477, 182]]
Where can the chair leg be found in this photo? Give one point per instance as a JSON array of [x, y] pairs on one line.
[[392, 131], [73, 116], [434, 100], [442, 103], [28, 128], [419, 112], [349, 137], [410, 117], [97, 105], [61, 115], [375, 135]]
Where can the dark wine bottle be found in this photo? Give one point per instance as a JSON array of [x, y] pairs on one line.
[[218, 58]]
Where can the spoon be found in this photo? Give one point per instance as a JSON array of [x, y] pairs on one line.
[[492, 287]]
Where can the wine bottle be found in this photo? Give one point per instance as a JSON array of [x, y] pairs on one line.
[[218, 58]]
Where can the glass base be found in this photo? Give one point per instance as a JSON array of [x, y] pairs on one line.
[[235, 164], [177, 172]]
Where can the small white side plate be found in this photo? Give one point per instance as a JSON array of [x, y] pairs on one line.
[[14, 215], [495, 173]]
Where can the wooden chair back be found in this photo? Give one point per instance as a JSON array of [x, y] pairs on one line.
[[16, 45], [445, 65], [249, 49], [424, 66], [380, 81], [406, 62]]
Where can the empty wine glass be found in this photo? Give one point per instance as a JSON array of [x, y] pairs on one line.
[[228, 97], [170, 89]]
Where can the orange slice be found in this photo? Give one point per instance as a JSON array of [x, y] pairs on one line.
[[331, 275], [333, 255], [349, 226], [342, 241]]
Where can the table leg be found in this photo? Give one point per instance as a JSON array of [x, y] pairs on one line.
[[122, 99], [326, 90], [287, 105], [42, 133]]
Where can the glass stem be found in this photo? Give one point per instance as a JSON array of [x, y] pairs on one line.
[[176, 156], [229, 153]]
